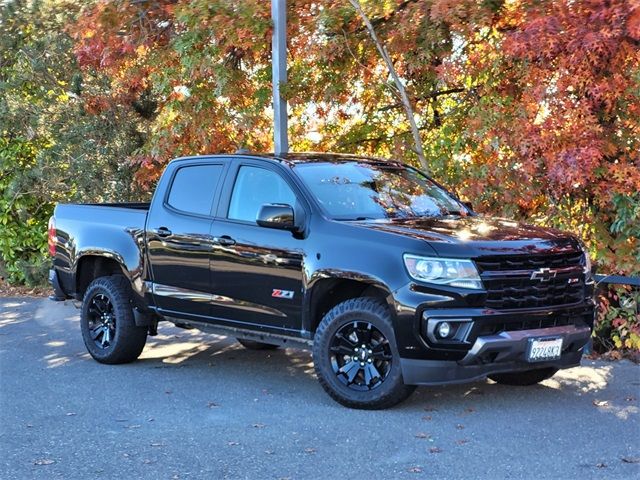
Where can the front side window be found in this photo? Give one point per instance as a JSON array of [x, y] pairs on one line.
[[193, 188], [361, 191], [253, 188]]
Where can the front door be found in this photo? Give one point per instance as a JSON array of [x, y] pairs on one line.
[[256, 272], [179, 240]]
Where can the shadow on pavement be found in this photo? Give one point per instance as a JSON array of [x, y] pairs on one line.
[[207, 355]]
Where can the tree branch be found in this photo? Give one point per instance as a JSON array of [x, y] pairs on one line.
[[381, 138], [431, 95], [399, 85]]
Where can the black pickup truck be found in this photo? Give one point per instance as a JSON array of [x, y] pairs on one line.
[[389, 279]]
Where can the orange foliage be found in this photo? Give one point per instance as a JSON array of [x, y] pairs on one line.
[[530, 109]]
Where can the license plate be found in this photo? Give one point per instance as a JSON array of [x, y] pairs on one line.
[[543, 349]]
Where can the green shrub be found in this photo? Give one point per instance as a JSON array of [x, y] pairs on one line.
[[23, 216], [617, 326]]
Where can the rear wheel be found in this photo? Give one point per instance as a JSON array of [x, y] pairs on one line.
[[253, 345], [356, 358], [108, 328], [523, 379]]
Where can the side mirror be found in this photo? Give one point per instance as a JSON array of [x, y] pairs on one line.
[[469, 205], [276, 215]]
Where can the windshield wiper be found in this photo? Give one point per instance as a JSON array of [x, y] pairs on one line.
[[428, 215], [356, 219]]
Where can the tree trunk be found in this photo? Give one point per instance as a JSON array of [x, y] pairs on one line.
[[399, 85]]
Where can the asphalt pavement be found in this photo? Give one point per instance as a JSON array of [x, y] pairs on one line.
[[200, 406]]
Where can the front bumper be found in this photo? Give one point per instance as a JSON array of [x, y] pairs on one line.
[[418, 313], [502, 352]]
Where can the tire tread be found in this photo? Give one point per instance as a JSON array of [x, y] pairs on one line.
[[376, 307], [130, 338]]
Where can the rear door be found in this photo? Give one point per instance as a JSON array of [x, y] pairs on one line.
[[256, 272], [178, 236]]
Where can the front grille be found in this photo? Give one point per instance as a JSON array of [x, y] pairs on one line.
[[582, 316], [530, 324], [509, 284]]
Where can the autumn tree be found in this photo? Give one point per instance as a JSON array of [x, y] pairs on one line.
[[528, 109], [552, 134]]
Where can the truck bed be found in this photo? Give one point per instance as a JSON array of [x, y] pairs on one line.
[[120, 216], [130, 205], [83, 229]]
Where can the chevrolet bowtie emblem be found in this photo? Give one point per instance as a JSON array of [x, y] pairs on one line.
[[544, 274]]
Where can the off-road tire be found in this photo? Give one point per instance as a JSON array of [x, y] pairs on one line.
[[253, 345], [523, 379], [392, 389], [128, 340]]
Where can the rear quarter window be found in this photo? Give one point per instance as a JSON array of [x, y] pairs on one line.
[[194, 187]]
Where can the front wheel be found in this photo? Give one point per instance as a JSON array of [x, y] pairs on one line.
[[108, 327], [523, 379], [356, 358]]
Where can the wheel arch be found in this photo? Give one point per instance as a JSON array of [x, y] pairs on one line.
[[328, 292], [92, 266]]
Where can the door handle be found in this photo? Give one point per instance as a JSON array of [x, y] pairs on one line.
[[224, 240], [161, 232]]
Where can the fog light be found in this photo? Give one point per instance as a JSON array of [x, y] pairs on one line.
[[444, 329]]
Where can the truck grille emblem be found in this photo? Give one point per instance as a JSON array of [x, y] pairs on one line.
[[544, 274]]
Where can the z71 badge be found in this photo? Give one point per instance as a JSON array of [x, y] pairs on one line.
[[288, 294]]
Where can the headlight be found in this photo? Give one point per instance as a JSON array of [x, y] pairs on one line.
[[443, 271]]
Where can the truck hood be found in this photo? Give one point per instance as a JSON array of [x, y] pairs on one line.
[[476, 236]]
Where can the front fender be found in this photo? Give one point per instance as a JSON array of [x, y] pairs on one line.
[[320, 284], [334, 273]]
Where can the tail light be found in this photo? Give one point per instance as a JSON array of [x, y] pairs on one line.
[[52, 240]]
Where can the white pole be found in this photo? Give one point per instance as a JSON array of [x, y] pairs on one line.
[[279, 74]]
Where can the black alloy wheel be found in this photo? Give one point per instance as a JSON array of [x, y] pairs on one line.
[[360, 356], [102, 321]]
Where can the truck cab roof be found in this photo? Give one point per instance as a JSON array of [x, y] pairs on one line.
[[297, 158]]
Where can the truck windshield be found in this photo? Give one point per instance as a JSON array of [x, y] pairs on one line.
[[362, 191]]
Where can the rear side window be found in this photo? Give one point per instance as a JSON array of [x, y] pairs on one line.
[[193, 188], [254, 187]]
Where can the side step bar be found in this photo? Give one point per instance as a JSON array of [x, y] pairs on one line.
[[264, 337]]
